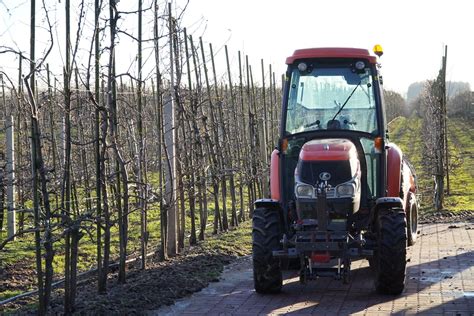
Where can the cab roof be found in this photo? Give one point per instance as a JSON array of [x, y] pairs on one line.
[[331, 52]]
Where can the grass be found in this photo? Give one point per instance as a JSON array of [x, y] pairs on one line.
[[461, 156], [10, 293], [220, 247], [238, 241], [23, 250], [406, 132]]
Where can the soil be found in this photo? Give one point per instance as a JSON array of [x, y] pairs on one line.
[[17, 277], [161, 284], [446, 216]]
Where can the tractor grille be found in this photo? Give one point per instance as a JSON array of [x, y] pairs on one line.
[[309, 171], [331, 193]]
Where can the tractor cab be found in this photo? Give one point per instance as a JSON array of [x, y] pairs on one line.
[[339, 190], [332, 97]]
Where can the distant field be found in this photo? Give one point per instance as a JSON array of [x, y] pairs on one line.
[[406, 132]]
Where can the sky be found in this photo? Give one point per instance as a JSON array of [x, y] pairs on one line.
[[412, 33]]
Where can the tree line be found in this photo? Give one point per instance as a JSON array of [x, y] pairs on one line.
[[435, 102]]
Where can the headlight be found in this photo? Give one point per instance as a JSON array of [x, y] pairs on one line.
[[302, 67], [304, 190], [360, 65], [345, 190]]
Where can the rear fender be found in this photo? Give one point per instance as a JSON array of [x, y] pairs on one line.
[[385, 203], [388, 202], [267, 203], [271, 204], [394, 168], [275, 175]]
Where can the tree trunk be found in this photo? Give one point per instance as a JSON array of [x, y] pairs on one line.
[[102, 134], [193, 144]]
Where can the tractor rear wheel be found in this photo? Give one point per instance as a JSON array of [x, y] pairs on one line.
[[389, 261], [266, 232]]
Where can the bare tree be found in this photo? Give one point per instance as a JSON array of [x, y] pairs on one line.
[[394, 105], [433, 130], [96, 134]]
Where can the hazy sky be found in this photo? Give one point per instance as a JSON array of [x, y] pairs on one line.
[[412, 33]]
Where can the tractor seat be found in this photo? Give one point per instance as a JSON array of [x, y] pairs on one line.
[[334, 124]]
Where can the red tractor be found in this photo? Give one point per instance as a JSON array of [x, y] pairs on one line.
[[339, 190]]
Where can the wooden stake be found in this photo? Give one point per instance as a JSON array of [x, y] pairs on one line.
[[445, 115], [10, 172], [141, 160], [193, 143], [170, 172]]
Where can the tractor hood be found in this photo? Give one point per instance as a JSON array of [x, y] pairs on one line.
[[335, 159], [331, 163], [328, 149]]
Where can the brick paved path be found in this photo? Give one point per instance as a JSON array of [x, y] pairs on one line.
[[440, 281]]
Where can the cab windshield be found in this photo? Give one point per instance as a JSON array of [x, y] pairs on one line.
[[333, 97]]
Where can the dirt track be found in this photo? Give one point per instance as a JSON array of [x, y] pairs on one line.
[[440, 281]]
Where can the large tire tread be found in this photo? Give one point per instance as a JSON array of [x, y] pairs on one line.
[[266, 238], [390, 258]]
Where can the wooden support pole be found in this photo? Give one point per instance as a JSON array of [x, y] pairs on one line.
[[159, 128], [214, 148], [263, 131], [445, 116], [265, 109], [2, 170], [140, 162], [101, 279], [235, 131], [277, 106], [170, 170], [10, 173], [192, 145], [271, 105], [34, 165]]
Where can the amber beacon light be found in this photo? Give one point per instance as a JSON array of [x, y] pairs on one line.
[[378, 50]]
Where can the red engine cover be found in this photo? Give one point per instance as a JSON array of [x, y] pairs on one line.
[[328, 149]]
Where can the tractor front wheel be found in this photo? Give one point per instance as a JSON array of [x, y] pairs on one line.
[[389, 262], [266, 238]]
